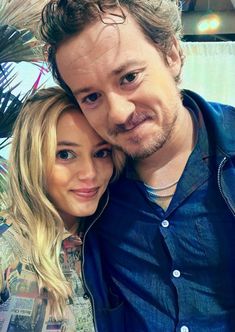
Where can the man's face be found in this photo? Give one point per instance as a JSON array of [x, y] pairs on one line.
[[124, 87]]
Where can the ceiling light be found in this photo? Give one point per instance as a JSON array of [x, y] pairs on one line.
[[209, 24]]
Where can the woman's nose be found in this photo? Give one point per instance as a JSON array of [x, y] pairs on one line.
[[87, 170]]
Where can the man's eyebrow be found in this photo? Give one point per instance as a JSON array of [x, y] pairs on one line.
[[123, 67], [77, 92], [117, 71]]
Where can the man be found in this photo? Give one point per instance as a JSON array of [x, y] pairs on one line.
[[164, 244]]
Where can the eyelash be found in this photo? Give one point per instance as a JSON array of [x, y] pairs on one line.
[[58, 154], [108, 153], [135, 74], [92, 104]]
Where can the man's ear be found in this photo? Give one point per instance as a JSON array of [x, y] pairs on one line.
[[174, 58]]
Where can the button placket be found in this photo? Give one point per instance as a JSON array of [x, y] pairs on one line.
[[176, 273], [165, 223], [184, 328]]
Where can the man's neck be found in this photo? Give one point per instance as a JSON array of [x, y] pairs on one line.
[[167, 164]]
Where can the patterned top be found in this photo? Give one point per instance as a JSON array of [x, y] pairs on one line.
[[21, 306]]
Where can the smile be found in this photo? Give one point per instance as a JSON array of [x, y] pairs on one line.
[[136, 127], [86, 192]]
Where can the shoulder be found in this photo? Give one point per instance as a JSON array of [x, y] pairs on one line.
[[5, 253], [8, 245], [214, 109], [218, 118], [221, 119], [4, 225]]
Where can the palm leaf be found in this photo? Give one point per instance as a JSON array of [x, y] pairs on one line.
[[22, 14], [9, 103], [19, 21], [18, 45], [9, 108], [7, 75]]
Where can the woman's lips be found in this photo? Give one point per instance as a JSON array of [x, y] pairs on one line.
[[86, 192]]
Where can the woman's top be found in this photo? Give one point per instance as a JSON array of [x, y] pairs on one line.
[[21, 306]]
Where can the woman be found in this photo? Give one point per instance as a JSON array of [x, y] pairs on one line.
[[59, 170]]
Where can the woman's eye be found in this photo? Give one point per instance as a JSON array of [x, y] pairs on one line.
[[103, 153], [92, 98], [65, 155], [129, 78]]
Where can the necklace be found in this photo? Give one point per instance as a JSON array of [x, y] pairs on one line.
[[164, 196], [163, 188], [153, 192], [154, 196]]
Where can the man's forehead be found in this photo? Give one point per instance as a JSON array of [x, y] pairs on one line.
[[96, 40], [90, 45]]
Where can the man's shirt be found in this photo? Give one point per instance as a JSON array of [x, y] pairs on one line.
[[173, 269]]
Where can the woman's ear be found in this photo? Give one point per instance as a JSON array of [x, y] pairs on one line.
[[174, 58]]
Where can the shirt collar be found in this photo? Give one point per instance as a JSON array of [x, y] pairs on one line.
[[204, 151]]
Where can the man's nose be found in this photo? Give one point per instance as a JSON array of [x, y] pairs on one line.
[[119, 108]]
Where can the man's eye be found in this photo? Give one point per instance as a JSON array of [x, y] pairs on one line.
[[65, 155], [104, 153], [129, 78], [92, 98]]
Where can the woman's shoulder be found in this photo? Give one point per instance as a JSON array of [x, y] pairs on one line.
[[10, 247], [12, 260], [5, 230], [4, 225]]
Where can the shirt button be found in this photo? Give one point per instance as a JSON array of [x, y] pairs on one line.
[[165, 223], [176, 274], [184, 329]]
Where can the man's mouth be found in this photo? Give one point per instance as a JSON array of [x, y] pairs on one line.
[[134, 125], [130, 125]]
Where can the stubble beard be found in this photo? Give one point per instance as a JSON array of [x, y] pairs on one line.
[[144, 149]]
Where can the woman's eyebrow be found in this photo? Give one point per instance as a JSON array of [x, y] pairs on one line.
[[102, 143], [67, 143]]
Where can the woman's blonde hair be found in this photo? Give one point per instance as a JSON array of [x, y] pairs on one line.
[[34, 216]]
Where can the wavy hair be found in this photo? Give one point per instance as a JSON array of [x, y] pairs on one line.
[[29, 207], [160, 21]]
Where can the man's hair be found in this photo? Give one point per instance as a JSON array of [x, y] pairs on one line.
[[160, 21]]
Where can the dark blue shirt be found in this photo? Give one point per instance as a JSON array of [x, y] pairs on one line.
[[174, 269]]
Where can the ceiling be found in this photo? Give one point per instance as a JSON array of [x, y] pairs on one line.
[[196, 10], [203, 5]]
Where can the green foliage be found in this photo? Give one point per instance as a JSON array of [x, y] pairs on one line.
[[18, 22], [15, 45], [9, 103]]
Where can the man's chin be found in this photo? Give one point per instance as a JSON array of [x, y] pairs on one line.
[[139, 151]]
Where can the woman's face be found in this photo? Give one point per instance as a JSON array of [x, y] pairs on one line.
[[82, 168]]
